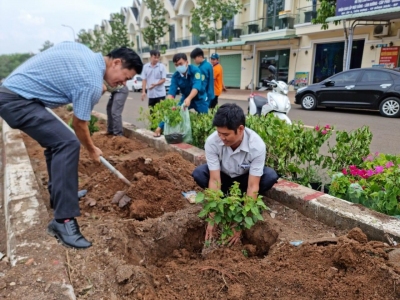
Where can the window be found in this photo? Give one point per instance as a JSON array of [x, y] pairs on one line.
[[375, 76], [345, 77]]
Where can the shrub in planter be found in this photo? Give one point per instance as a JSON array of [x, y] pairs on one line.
[[374, 183]]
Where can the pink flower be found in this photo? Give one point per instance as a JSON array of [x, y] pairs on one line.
[[173, 108], [317, 128], [389, 164], [379, 169], [353, 167], [324, 132], [370, 173], [327, 126], [354, 172], [344, 171], [376, 153]]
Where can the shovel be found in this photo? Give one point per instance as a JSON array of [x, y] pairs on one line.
[[102, 159]]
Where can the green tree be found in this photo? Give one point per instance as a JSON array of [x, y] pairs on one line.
[[9, 62], [119, 34], [46, 45], [207, 13], [157, 26], [326, 9], [94, 41]]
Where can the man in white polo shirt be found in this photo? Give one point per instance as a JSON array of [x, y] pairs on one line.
[[153, 76], [234, 153]]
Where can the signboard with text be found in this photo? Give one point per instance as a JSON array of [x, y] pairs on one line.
[[300, 79], [347, 7], [389, 57]]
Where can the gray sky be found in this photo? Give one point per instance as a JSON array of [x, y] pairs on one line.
[[26, 24]]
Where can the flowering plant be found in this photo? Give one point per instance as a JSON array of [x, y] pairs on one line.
[[375, 183]]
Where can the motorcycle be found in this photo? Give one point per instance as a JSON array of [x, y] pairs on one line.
[[277, 102]]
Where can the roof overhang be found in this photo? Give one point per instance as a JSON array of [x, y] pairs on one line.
[[223, 45], [281, 38], [230, 45], [375, 15]]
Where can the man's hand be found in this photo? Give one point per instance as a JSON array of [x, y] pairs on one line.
[[143, 96], [95, 154], [235, 238], [187, 102], [209, 232], [152, 86], [224, 89]]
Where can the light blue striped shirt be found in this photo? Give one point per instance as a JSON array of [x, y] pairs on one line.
[[68, 72]]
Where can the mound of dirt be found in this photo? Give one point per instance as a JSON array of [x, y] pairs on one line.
[[152, 248], [156, 187]]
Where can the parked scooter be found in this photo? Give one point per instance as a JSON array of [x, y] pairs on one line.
[[277, 102]]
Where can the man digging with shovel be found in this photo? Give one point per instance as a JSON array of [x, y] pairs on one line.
[[66, 73]]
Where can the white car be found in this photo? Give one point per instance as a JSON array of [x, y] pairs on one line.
[[167, 82], [135, 84]]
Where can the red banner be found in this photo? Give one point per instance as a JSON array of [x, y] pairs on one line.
[[389, 57]]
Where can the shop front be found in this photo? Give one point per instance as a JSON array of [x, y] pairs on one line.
[[274, 61], [329, 59]]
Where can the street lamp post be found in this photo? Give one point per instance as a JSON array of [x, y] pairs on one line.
[[73, 31]]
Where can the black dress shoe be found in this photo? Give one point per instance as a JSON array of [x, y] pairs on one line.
[[68, 234]]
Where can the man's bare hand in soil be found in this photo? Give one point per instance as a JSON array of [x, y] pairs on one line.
[[210, 232], [235, 238]]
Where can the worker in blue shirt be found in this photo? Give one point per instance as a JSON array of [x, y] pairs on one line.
[[65, 73], [207, 72], [189, 80]]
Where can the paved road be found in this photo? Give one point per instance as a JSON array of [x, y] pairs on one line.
[[386, 132]]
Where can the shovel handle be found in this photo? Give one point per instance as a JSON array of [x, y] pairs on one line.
[[102, 159]]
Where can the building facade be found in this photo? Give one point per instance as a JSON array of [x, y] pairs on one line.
[[264, 33]]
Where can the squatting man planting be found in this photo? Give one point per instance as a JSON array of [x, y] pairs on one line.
[[234, 153]]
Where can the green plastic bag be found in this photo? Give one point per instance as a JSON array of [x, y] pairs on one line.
[[181, 133]]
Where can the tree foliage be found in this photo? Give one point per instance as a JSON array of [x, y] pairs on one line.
[[119, 34], [157, 27], [9, 62], [326, 9], [208, 13], [46, 45], [94, 41]]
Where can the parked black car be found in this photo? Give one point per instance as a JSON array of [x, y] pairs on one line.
[[366, 88]]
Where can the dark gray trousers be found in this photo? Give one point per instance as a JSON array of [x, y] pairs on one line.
[[61, 149], [115, 106], [202, 176]]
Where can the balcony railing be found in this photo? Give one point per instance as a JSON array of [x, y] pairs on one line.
[[306, 14], [230, 32], [271, 23]]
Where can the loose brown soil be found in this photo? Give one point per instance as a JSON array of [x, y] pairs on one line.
[[153, 247]]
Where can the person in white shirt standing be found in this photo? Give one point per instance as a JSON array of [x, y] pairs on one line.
[[153, 76]]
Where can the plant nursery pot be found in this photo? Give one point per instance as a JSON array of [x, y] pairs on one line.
[[174, 138]]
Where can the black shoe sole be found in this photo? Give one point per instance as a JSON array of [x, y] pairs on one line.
[[55, 235]]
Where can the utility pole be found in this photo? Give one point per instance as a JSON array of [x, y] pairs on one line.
[[73, 31]]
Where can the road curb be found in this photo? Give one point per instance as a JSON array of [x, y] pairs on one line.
[[31, 251], [313, 204]]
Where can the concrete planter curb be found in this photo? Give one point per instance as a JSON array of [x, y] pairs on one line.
[[34, 251], [313, 204]]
